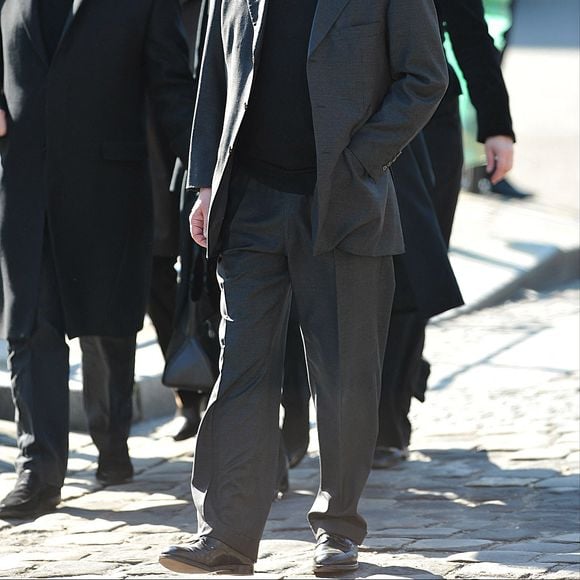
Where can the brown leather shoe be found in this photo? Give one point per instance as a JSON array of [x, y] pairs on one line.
[[206, 555], [334, 554]]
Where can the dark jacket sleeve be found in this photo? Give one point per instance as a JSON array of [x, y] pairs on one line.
[[419, 73], [211, 99], [464, 20], [169, 78]]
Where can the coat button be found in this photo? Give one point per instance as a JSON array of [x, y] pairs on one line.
[[385, 167]]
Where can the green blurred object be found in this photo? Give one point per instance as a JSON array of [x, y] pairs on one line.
[[498, 16]]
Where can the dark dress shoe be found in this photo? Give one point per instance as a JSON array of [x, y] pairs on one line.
[[206, 555], [188, 429], [389, 457], [296, 455], [334, 554], [29, 498], [508, 191], [114, 470], [477, 180]]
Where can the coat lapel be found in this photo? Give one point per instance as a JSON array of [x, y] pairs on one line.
[[69, 21], [257, 10], [326, 14], [29, 12]]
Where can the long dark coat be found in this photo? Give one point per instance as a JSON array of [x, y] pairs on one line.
[[166, 219], [74, 163], [425, 280]]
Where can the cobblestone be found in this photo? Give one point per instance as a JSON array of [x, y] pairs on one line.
[[495, 571], [449, 545], [497, 557]]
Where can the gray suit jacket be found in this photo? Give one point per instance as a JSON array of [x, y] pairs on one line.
[[376, 73]]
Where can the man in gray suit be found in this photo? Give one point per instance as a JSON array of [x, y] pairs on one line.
[[302, 108]]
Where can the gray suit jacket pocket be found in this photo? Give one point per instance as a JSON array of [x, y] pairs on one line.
[[365, 215]]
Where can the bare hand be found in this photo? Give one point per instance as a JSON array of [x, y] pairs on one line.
[[198, 217], [3, 123], [499, 151]]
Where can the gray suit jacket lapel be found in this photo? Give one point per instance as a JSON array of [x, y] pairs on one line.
[[254, 8], [327, 12], [29, 12]]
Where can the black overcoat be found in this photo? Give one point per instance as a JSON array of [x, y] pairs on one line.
[[425, 280], [74, 162], [162, 160]]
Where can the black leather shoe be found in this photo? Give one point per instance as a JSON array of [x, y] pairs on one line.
[[389, 457], [206, 555], [477, 180], [508, 191], [334, 554], [188, 429], [114, 470], [29, 498]]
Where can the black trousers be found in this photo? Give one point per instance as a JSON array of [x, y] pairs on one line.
[[108, 373], [402, 372], [39, 368], [343, 303]]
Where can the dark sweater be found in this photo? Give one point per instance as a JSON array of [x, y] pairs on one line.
[[276, 142], [53, 15]]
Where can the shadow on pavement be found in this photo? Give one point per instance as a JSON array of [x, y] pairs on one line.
[[372, 571]]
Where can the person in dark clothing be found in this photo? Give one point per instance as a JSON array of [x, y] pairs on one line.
[[464, 21], [107, 362], [406, 372], [166, 235], [426, 286], [317, 223], [75, 216]]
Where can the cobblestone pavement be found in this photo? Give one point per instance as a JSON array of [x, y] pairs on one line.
[[490, 491]]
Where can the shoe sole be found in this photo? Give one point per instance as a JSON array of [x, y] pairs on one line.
[[181, 566], [107, 483], [334, 569]]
